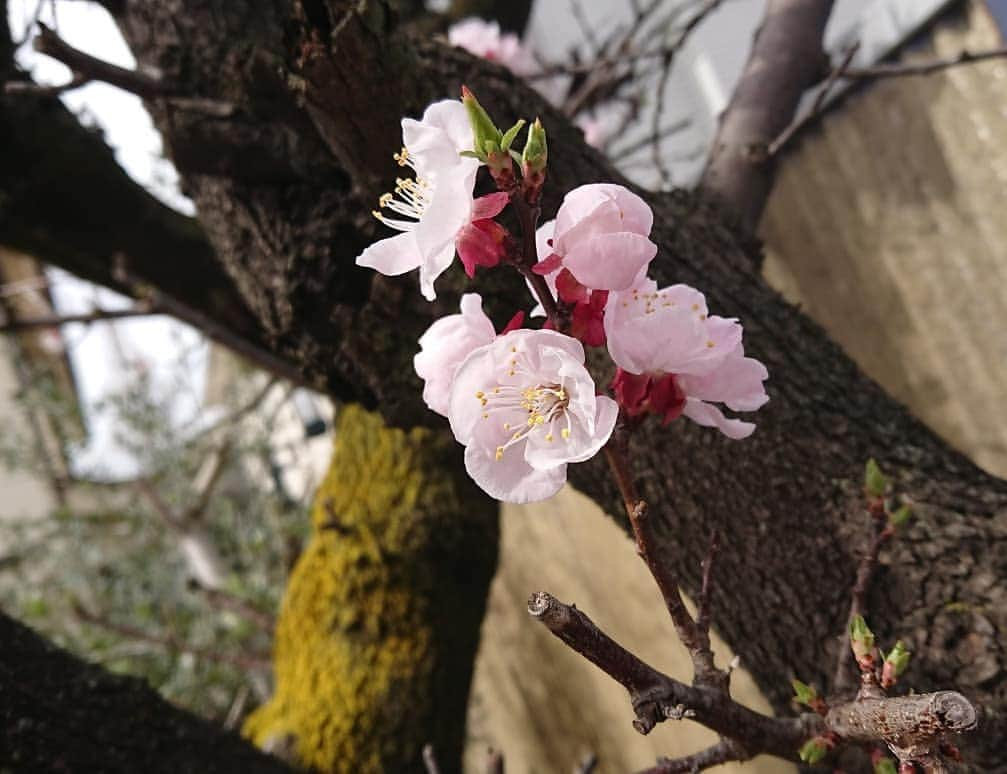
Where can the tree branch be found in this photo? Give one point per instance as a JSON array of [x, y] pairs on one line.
[[89, 68], [52, 321], [724, 751], [656, 697], [786, 58]]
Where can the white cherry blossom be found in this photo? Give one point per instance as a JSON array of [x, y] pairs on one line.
[[525, 406]]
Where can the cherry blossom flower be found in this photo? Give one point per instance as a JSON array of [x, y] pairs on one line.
[[445, 344], [675, 359], [484, 39], [436, 206], [601, 236], [588, 305], [525, 406]]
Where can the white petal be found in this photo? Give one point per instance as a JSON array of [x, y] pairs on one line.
[[510, 478], [392, 256]]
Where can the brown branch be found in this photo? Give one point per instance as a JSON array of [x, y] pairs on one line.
[[494, 762], [170, 642], [40, 90], [786, 58], [724, 751], [704, 604], [880, 532], [900, 69], [647, 546], [225, 600], [430, 760], [53, 321], [92, 69], [816, 109], [913, 726], [656, 697]]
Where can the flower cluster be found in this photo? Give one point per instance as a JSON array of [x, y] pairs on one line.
[[522, 401]]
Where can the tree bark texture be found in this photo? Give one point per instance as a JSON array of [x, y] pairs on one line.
[[377, 634], [284, 185], [58, 713]]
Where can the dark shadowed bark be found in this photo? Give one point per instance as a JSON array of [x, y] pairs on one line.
[[58, 713], [284, 186]]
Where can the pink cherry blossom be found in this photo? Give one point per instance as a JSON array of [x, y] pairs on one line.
[[435, 206], [525, 406], [484, 39], [674, 358], [444, 346], [482, 242], [601, 236]]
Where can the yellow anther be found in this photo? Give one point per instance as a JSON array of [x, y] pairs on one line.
[[506, 425], [513, 349], [710, 344], [565, 432], [549, 437], [496, 390], [385, 199], [486, 416], [480, 394], [695, 307], [499, 455]]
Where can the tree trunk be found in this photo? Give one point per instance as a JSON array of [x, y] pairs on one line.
[[284, 185], [377, 635], [58, 713]]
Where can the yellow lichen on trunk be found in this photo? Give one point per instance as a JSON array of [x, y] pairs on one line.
[[379, 625]]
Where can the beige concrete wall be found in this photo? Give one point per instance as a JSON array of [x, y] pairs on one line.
[[887, 225]]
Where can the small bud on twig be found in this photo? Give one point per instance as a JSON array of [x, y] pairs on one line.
[[875, 482], [895, 664], [862, 643]]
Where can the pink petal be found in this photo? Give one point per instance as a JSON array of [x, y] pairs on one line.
[[710, 416], [610, 261], [489, 206], [515, 322], [547, 265]]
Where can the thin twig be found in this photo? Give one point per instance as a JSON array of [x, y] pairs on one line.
[[430, 760], [98, 315], [494, 762], [224, 600], [586, 766], [816, 109], [879, 533], [900, 69], [704, 605], [170, 642], [724, 751], [94, 69]]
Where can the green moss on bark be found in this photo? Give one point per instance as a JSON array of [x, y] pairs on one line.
[[377, 634]]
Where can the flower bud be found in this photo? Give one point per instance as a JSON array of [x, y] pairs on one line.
[[533, 162], [485, 135], [803, 693], [536, 151], [489, 142], [885, 766], [875, 481], [814, 750], [895, 664], [901, 516], [862, 642]]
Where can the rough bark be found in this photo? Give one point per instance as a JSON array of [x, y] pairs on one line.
[[287, 221], [58, 713]]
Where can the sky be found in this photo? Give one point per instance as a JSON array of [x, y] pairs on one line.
[[105, 355]]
